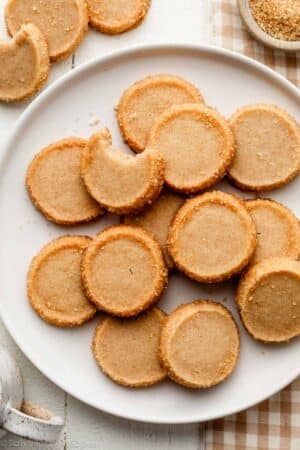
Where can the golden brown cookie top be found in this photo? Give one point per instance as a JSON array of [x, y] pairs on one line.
[[212, 237], [55, 186], [54, 283], [120, 182], [143, 102], [199, 344], [267, 148], [196, 143], [277, 229], [158, 218], [123, 271], [127, 351], [268, 297], [24, 64], [116, 16], [63, 23]]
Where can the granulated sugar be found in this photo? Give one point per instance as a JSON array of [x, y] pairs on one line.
[[279, 18]]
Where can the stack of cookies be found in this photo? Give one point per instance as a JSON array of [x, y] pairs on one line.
[[47, 31], [170, 219]]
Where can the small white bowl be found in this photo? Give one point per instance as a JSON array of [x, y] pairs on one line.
[[261, 35]]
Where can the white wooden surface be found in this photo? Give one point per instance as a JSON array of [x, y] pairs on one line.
[[86, 428]]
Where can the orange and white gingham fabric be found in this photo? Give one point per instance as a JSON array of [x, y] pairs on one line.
[[275, 423]]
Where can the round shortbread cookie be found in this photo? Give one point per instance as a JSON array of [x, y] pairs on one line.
[[212, 237], [55, 186], [268, 298], [199, 344], [267, 148], [157, 220], [24, 64], [121, 183], [123, 271], [197, 145], [277, 229], [116, 16], [63, 23], [127, 351], [143, 102], [54, 283]]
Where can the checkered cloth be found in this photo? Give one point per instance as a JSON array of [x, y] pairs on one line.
[[271, 425], [275, 423], [228, 31]]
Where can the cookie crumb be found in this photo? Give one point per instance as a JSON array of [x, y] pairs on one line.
[[94, 121]]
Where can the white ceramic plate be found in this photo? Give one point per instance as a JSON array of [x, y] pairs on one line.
[[69, 107]]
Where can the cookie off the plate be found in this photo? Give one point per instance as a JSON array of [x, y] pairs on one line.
[[24, 64], [63, 23]]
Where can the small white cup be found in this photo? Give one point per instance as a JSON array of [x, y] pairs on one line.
[[44, 429]]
